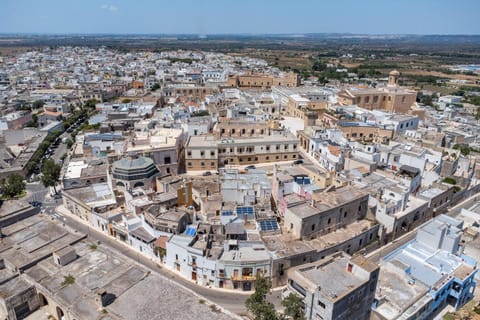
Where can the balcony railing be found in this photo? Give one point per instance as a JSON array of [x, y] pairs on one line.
[[244, 278]]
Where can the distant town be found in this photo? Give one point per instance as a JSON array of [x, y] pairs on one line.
[[181, 183]]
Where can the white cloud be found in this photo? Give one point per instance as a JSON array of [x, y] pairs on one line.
[[109, 7]]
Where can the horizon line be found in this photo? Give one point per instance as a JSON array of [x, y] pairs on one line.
[[235, 34]]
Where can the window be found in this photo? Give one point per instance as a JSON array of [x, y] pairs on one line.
[[202, 153], [277, 147], [329, 220], [277, 157], [243, 131], [212, 164], [167, 160], [168, 170], [212, 153], [232, 131], [285, 157], [202, 164], [267, 158], [189, 164], [189, 153], [321, 304], [267, 148], [349, 267]]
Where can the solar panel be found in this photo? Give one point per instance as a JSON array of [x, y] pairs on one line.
[[191, 231], [227, 213], [242, 211], [268, 225]]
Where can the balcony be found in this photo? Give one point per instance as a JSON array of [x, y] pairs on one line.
[[244, 278]]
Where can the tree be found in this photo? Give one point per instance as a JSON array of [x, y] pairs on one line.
[[155, 87], [38, 104], [34, 122], [257, 303], [50, 174], [90, 103], [293, 307], [13, 186], [426, 100], [69, 143]]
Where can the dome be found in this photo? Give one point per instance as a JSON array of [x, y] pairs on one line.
[[132, 163], [134, 168]]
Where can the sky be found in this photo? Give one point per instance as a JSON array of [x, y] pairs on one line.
[[240, 16]]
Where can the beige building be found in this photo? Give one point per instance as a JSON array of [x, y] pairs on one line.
[[82, 201], [240, 128], [326, 212], [208, 152], [263, 81], [188, 91], [364, 132], [300, 107], [392, 98]]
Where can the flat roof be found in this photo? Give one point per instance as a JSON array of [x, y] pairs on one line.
[[246, 254], [330, 275], [95, 195]]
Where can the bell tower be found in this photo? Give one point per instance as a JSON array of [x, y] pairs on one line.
[[393, 78]]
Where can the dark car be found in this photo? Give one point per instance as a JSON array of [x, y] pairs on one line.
[[299, 161], [36, 203], [207, 173], [250, 167]]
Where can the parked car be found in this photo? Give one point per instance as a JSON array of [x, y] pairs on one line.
[[250, 167], [36, 203], [207, 173], [299, 161]]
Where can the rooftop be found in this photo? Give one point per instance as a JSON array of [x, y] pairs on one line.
[[94, 195]]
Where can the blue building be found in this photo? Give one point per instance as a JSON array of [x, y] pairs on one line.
[[426, 273]]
